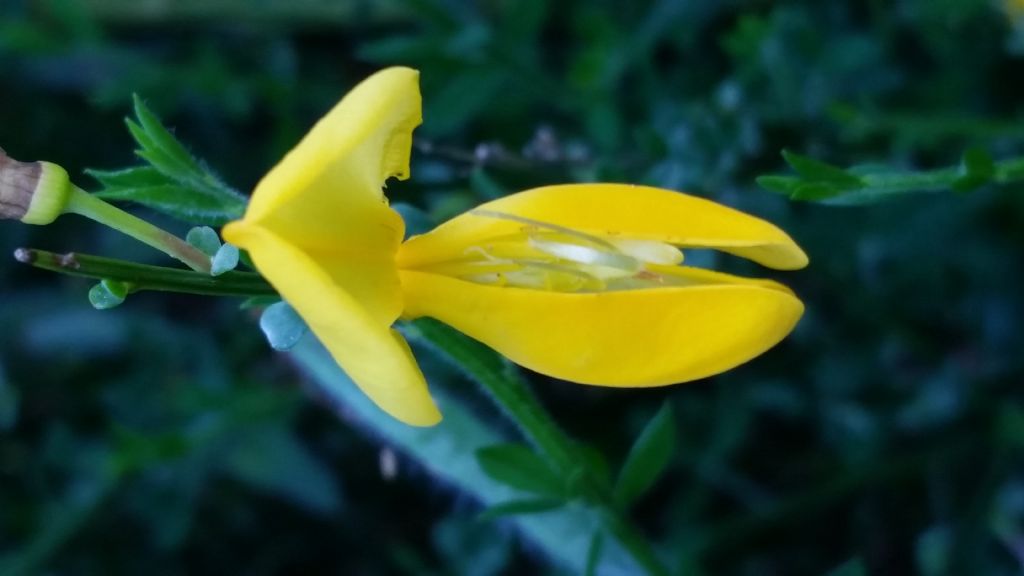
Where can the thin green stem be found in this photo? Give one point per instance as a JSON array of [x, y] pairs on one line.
[[140, 277], [1004, 172], [509, 391], [821, 182], [85, 204]]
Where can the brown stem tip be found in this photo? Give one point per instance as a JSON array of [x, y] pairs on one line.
[[18, 181]]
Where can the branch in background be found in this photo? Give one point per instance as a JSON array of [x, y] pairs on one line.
[[817, 181]]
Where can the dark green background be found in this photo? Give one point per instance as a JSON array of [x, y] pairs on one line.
[[887, 430]]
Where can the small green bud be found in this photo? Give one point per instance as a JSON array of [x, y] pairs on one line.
[[33, 192]]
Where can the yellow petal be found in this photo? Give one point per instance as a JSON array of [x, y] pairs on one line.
[[376, 358], [325, 197], [633, 212], [645, 337]]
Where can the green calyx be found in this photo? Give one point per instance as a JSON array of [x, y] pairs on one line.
[[50, 195], [33, 192]]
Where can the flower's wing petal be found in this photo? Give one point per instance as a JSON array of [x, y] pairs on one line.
[[647, 337], [325, 197], [624, 210], [376, 358]]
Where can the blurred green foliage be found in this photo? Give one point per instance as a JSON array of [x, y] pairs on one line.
[[885, 436]]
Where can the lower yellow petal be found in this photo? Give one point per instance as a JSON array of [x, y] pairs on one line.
[[630, 338], [611, 210], [376, 358]]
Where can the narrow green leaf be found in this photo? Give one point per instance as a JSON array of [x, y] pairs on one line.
[[185, 204], [161, 139], [135, 177], [171, 159], [520, 467], [647, 458], [813, 169], [779, 184], [815, 191], [165, 162], [516, 507], [594, 554]]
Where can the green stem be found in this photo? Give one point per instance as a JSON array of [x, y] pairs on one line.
[[512, 394], [144, 277], [85, 204], [1004, 172]]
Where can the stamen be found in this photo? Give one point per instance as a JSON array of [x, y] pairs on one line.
[[545, 225], [650, 251], [584, 254], [546, 256]]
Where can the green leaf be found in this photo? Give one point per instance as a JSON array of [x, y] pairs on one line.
[[520, 467], [780, 184], [816, 170], [161, 141], [205, 239], [282, 326], [647, 458], [174, 182], [136, 177], [108, 294], [516, 507], [180, 203], [815, 191], [594, 554]]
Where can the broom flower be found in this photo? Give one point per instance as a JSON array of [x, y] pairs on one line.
[[583, 282]]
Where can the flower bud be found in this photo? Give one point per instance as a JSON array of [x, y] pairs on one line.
[[33, 192]]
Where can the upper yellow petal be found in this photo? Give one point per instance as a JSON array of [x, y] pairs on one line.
[[325, 197], [376, 357], [645, 337], [365, 139], [635, 212], [320, 231]]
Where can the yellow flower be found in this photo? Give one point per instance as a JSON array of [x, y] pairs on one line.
[[582, 282]]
